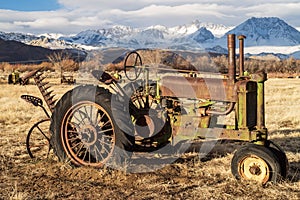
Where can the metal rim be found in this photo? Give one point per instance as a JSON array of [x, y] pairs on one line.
[[35, 145], [254, 168], [88, 134]]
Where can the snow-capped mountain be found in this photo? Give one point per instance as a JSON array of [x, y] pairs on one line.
[[154, 36], [149, 37], [218, 30], [51, 35], [51, 43], [270, 31], [17, 52], [202, 35], [19, 37], [268, 35], [88, 37], [47, 40]]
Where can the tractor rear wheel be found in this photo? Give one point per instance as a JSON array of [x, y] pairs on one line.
[[256, 163], [85, 132]]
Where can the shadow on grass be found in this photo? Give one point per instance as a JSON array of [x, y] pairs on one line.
[[183, 152], [294, 172], [289, 141]]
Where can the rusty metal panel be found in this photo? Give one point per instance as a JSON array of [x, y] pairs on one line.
[[218, 133], [221, 133], [194, 87]]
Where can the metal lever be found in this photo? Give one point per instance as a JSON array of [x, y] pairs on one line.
[[104, 77], [25, 78]]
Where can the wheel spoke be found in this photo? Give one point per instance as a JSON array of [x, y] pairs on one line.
[[91, 112], [80, 114], [89, 115], [105, 131], [136, 60], [96, 156], [85, 153], [79, 148], [73, 132], [42, 132], [98, 121], [105, 124], [86, 111], [95, 113], [89, 150], [72, 142], [99, 153], [105, 149], [76, 118], [103, 142]]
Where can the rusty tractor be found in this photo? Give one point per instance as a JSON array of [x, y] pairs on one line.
[[103, 124]]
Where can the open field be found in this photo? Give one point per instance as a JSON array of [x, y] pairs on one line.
[[187, 178]]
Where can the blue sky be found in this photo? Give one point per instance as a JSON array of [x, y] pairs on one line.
[[73, 16], [30, 5]]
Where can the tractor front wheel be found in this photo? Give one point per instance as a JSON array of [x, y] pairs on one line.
[[256, 163]]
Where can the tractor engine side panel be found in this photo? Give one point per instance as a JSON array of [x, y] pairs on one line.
[[247, 104], [201, 88]]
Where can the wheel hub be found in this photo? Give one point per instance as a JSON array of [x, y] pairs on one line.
[[88, 135], [254, 168]]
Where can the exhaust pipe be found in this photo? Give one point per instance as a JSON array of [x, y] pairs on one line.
[[231, 57], [241, 52]]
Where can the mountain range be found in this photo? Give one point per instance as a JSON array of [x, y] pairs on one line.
[[16, 52], [270, 32]]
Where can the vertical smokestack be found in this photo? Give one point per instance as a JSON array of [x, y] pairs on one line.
[[231, 57], [241, 52]]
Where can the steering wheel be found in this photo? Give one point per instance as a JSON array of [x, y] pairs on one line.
[[132, 61]]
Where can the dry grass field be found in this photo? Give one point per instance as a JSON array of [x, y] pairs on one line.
[[187, 178]]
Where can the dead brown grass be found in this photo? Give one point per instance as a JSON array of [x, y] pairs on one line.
[[188, 178]]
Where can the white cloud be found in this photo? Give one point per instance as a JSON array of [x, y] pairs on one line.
[[78, 15], [173, 15], [287, 11]]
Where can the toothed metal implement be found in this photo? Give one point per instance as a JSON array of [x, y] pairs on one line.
[[44, 89], [43, 86]]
